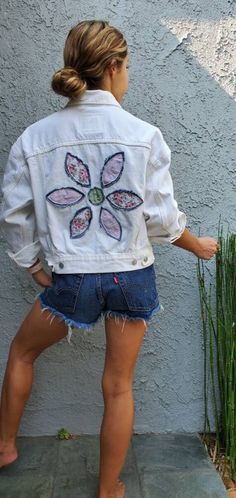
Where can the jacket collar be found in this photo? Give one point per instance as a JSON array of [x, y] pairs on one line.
[[95, 97]]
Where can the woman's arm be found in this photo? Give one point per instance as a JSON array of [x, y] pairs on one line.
[[17, 217], [165, 222], [40, 276], [202, 247]]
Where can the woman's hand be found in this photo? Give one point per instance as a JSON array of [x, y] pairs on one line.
[[42, 278], [206, 248], [202, 247]]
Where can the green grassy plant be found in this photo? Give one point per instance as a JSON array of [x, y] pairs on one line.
[[63, 434], [218, 313]]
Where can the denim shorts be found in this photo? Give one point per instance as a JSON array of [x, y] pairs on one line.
[[81, 299]]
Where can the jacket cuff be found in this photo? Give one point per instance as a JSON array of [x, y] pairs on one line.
[[27, 256], [173, 234]]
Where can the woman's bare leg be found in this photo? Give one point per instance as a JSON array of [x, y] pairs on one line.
[[35, 334], [122, 348]]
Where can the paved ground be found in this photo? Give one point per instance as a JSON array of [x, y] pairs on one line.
[[157, 466]]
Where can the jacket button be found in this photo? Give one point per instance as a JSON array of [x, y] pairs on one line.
[[61, 265], [145, 261], [134, 262]]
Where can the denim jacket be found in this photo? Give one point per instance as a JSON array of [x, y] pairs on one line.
[[89, 185]]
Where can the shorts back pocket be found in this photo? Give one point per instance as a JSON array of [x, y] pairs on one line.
[[64, 293], [139, 289]]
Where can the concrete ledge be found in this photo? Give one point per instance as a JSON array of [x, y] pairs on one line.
[[157, 466]]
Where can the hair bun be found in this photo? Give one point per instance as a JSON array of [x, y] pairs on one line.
[[90, 45], [67, 82]]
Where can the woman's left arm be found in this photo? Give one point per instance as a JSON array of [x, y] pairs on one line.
[[17, 217]]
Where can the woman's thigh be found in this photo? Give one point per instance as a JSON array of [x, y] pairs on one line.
[[123, 343], [37, 332]]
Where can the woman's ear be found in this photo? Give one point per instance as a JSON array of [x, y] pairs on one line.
[[112, 66]]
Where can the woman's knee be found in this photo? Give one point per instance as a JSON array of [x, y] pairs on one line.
[[115, 385], [36, 334], [18, 353]]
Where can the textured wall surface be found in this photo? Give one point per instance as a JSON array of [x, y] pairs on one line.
[[182, 63]]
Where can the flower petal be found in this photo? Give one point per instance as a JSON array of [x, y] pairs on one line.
[[66, 196], [77, 170], [124, 199], [110, 224], [112, 169], [80, 223]]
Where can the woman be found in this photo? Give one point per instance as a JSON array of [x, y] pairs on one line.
[[90, 186]]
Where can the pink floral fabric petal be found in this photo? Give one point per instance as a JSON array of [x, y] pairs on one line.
[[81, 222], [112, 169], [110, 224], [62, 197], [77, 170], [124, 199]]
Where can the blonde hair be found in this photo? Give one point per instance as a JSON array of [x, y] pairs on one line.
[[89, 48]]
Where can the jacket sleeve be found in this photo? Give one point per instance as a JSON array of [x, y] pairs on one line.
[[164, 221], [17, 218]]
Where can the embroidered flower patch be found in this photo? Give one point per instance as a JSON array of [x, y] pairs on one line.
[[120, 199], [77, 170], [80, 223], [63, 197]]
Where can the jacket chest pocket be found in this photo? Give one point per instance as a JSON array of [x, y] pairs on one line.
[[65, 291]]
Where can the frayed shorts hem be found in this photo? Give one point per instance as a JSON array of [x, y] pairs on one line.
[[68, 321], [104, 314]]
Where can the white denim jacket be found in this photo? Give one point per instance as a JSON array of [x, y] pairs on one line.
[[90, 186]]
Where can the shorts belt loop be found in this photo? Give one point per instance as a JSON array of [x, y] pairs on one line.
[[99, 288]]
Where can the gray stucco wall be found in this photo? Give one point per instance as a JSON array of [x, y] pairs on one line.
[[182, 62]]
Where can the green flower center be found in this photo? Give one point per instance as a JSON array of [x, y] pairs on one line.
[[96, 196]]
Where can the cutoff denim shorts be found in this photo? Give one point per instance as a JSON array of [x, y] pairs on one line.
[[81, 299]]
